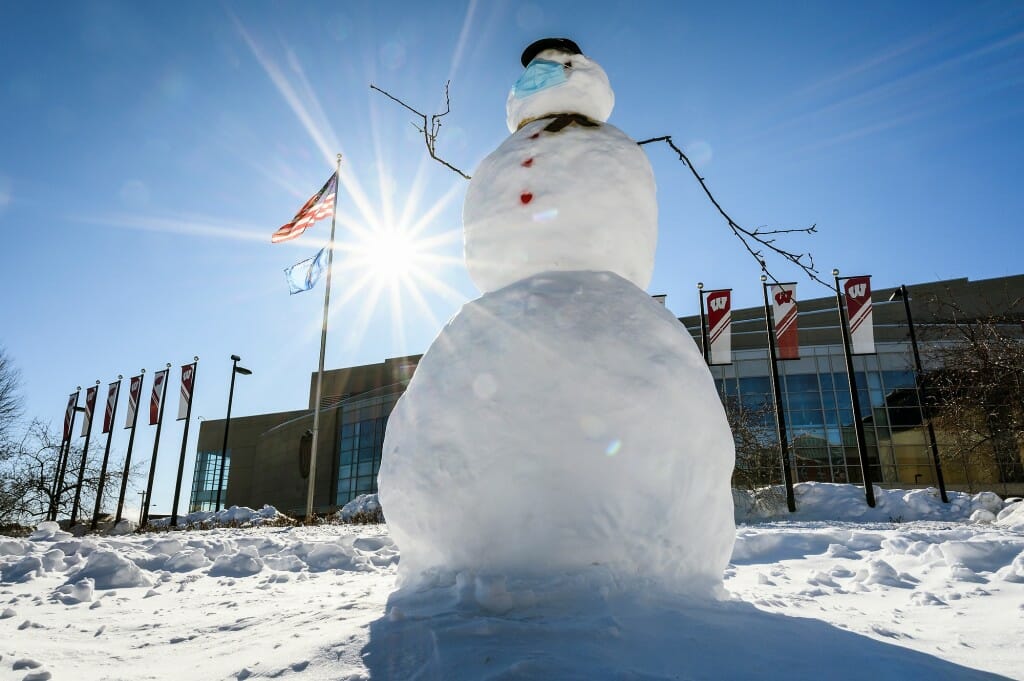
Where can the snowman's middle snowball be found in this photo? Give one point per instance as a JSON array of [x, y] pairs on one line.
[[591, 206]]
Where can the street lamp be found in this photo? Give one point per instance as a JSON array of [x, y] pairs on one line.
[[235, 369], [902, 294]]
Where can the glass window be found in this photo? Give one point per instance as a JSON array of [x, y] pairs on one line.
[[755, 384], [898, 379], [801, 383]]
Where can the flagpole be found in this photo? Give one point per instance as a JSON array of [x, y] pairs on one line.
[[131, 441], [146, 500], [184, 442], [323, 348], [106, 454], [85, 454]]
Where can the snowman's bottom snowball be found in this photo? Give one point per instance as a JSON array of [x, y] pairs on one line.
[[563, 422]]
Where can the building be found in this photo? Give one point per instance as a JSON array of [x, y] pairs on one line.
[[268, 455]]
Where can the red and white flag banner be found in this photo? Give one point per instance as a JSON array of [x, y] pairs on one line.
[[720, 326], [112, 393], [858, 310], [69, 415], [134, 393], [787, 343], [90, 405], [188, 380], [159, 389]]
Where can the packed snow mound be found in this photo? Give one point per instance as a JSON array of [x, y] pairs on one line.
[[637, 488], [364, 505], [529, 209], [113, 562], [827, 501], [235, 515], [1012, 517], [49, 531], [110, 570]]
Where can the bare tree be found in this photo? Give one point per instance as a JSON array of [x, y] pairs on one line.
[[974, 390], [26, 477], [10, 396], [758, 470]]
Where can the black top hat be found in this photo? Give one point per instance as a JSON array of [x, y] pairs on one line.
[[562, 44]]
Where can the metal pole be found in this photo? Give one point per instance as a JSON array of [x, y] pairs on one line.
[[59, 483], [85, 453], [703, 324], [227, 423], [323, 348], [58, 470], [858, 425], [918, 375], [184, 441], [128, 456], [780, 414], [106, 456], [144, 518]]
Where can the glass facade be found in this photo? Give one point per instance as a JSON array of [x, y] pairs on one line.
[[819, 413], [361, 447], [362, 420], [205, 479]]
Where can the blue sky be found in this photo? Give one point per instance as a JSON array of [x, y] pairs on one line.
[[148, 151]]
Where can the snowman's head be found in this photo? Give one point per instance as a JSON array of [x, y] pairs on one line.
[[558, 79]]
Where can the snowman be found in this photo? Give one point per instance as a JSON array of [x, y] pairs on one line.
[[564, 424]]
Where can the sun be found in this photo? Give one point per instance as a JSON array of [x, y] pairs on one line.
[[390, 255]]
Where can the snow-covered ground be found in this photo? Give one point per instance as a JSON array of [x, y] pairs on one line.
[[810, 598]]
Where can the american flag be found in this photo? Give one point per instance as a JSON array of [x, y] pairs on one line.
[[319, 206]]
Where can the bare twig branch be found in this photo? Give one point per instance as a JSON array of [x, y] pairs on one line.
[[430, 132], [755, 240]]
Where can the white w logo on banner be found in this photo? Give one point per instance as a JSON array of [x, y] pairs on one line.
[[857, 290], [719, 303]]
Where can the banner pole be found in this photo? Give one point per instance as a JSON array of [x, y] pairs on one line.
[[184, 441], [144, 516], [323, 348], [128, 455], [62, 463], [703, 324], [780, 414], [106, 455], [85, 454], [858, 425]]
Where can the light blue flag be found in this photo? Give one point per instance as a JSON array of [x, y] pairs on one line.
[[303, 276]]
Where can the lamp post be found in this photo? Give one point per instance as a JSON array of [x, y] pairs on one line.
[[902, 294], [235, 369]]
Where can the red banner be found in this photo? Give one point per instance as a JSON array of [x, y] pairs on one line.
[[719, 308], [108, 417], [859, 314], [787, 343], [159, 390], [90, 404], [134, 393], [188, 378], [69, 415]]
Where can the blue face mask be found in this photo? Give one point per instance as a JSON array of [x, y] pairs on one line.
[[539, 75]]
